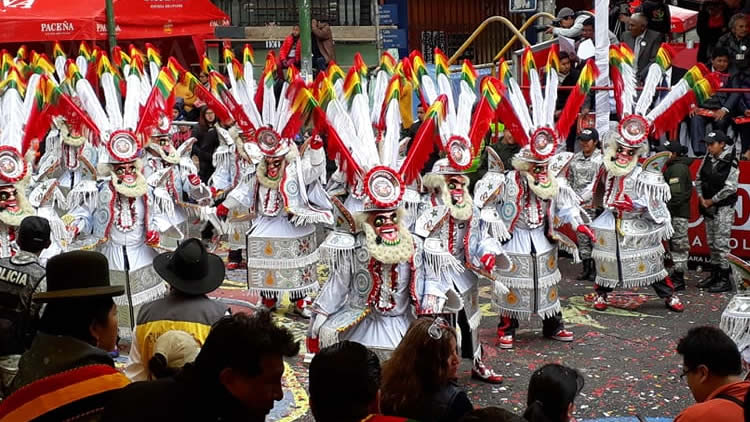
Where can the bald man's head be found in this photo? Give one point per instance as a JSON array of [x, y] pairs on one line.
[[638, 23]]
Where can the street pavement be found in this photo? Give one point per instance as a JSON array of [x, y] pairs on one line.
[[626, 354]]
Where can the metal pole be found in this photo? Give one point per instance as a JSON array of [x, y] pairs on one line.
[[305, 35], [111, 29], [378, 41]]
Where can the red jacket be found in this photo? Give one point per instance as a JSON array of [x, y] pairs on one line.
[[286, 47], [713, 409]]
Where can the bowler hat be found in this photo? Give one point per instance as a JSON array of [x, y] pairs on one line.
[[77, 274], [190, 269]]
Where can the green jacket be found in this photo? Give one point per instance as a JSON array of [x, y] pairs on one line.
[[677, 175]]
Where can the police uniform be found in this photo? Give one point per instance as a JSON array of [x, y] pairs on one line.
[[20, 276], [581, 175], [717, 180]]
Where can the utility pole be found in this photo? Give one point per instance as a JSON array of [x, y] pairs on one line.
[[305, 35], [111, 25]]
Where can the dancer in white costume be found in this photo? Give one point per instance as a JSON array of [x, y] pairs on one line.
[[533, 201], [377, 286], [125, 217], [283, 193], [15, 167], [459, 246], [634, 195]]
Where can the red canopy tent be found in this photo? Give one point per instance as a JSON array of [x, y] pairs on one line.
[[169, 24]]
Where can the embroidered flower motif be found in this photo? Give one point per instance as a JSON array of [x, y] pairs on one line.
[[551, 262], [552, 295], [511, 298]]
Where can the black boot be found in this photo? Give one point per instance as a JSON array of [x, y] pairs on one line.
[[724, 284], [710, 280], [592, 274], [587, 264], [678, 280]]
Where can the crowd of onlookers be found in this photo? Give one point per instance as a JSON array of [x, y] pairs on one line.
[[723, 47]]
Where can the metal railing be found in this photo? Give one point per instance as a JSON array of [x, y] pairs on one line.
[[284, 12]]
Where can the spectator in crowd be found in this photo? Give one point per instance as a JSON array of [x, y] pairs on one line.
[[658, 16], [492, 414], [644, 42], [192, 273], [712, 367], [733, 7], [345, 385], [737, 43], [506, 148], [24, 276], [552, 392], [77, 330], [568, 24], [619, 10], [172, 350], [176, 112], [414, 128], [419, 381], [236, 377], [207, 140], [568, 76], [714, 109], [677, 175], [738, 106], [203, 78], [587, 33], [712, 24], [183, 133], [324, 48], [716, 185], [291, 49]]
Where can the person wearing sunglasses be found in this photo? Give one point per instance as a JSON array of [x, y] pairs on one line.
[[712, 369]]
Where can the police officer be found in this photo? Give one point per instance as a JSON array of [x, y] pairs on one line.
[[20, 276], [716, 185], [677, 175], [582, 172]]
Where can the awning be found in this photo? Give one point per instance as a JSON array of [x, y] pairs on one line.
[[56, 20]]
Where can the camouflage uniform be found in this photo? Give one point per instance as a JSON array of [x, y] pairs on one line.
[[581, 174], [718, 231], [724, 196], [679, 244]]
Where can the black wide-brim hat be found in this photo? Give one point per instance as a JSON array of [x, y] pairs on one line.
[[190, 269], [77, 275]]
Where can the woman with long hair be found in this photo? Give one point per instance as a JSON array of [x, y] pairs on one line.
[[207, 140], [552, 392], [419, 381]]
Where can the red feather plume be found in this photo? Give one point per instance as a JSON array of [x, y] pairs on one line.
[[422, 146], [482, 119]]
